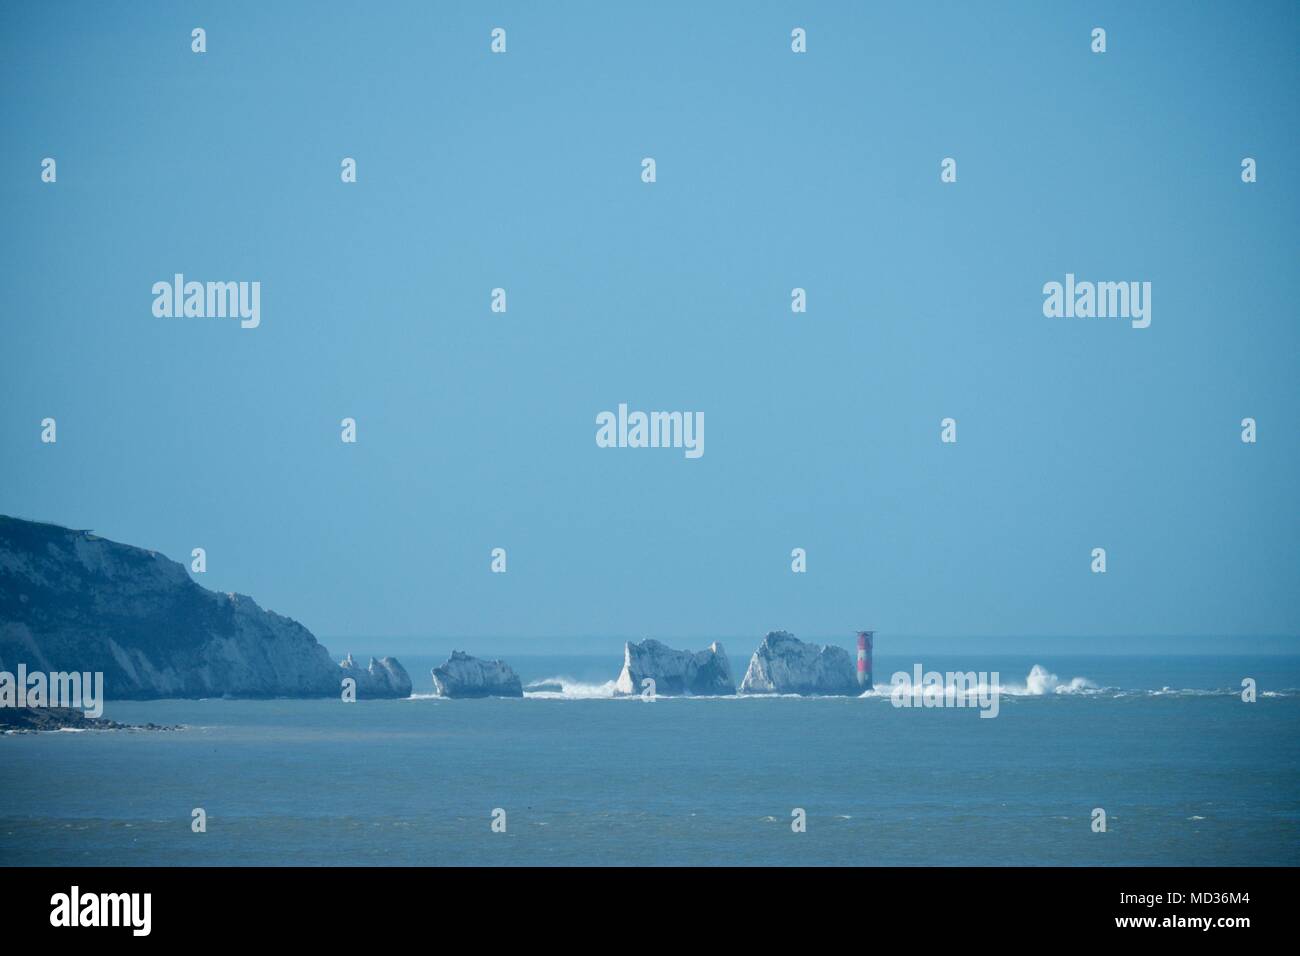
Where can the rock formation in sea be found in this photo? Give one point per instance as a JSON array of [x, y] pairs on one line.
[[73, 601], [466, 676], [385, 677], [783, 664], [674, 672]]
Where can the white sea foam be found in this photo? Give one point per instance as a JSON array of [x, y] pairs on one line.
[[1041, 682], [1168, 691], [567, 688]]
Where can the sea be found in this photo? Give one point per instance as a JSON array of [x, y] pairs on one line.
[[1184, 771]]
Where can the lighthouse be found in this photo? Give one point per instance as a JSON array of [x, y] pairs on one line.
[[864, 659]]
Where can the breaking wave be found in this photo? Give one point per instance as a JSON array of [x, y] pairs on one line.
[[566, 688], [1041, 682]]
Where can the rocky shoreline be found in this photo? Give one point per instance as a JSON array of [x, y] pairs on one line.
[[35, 720]]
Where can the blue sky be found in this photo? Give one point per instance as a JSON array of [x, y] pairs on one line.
[[775, 170]]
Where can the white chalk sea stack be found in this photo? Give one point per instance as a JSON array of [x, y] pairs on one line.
[[466, 676], [783, 664], [385, 677], [674, 672]]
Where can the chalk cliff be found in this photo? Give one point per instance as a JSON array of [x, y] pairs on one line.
[[674, 672], [466, 676], [73, 601], [783, 664]]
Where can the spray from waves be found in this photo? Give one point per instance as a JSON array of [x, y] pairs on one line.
[[566, 688], [1040, 682]]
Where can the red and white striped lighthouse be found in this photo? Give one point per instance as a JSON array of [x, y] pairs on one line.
[[864, 658]]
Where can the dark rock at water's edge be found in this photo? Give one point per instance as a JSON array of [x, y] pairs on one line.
[[783, 664], [465, 676], [73, 601], [674, 672], [19, 720]]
